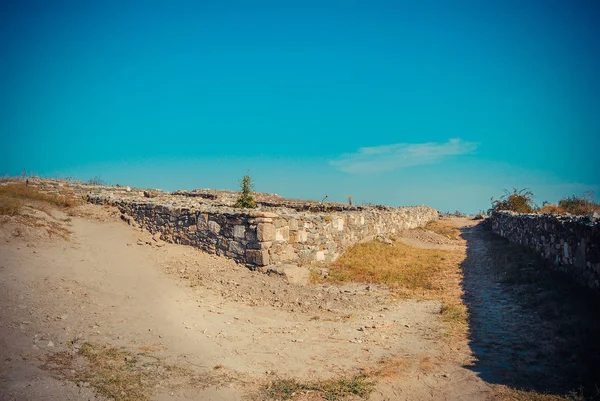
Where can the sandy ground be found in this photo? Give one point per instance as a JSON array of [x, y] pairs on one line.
[[112, 284]]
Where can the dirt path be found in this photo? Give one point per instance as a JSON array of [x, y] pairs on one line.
[[531, 327], [111, 284], [221, 332]]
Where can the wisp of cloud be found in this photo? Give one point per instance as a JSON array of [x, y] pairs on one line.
[[400, 155]]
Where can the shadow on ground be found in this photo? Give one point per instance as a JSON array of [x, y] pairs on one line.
[[531, 327]]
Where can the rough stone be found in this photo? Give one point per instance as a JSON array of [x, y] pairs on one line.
[[572, 243], [257, 257], [281, 229], [265, 232]]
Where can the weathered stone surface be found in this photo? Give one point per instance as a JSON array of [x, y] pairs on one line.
[[282, 234], [237, 248], [239, 231], [214, 227], [572, 243], [302, 236], [264, 214], [281, 229], [257, 257], [265, 232], [260, 220], [202, 222]]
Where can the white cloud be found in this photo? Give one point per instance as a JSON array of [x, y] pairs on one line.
[[400, 155]]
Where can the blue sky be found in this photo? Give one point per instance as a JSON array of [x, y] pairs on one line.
[[444, 103]]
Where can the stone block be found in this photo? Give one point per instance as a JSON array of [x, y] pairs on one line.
[[257, 257], [251, 234], [214, 227], [237, 248], [234, 221], [293, 224], [260, 220], [202, 222], [239, 231], [282, 234], [302, 236], [287, 253], [265, 232], [264, 214], [338, 224]]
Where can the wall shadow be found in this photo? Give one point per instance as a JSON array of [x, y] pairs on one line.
[[531, 327]]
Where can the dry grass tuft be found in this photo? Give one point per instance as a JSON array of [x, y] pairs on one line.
[[9, 206], [113, 374], [454, 313], [510, 394], [335, 389]]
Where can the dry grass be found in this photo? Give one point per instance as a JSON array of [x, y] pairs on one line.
[[13, 195], [10, 206], [409, 272], [335, 389], [551, 209], [442, 227], [510, 394], [121, 375], [400, 266], [8, 178], [113, 373]]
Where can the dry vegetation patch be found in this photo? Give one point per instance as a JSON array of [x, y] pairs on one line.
[[122, 375], [510, 394], [13, 196], [335, 389], [398, 266], [412, 272], [444, 228]]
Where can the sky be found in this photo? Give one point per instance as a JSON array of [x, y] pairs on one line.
[[444, 103]]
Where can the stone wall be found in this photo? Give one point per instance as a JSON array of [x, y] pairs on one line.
[[280, 230], [270, 235], [571, 242]]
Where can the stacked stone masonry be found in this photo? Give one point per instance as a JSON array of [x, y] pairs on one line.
[[279, 231], [268, 237], [572, 243]]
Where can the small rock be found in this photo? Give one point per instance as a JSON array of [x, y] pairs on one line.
[[50, 344], [140, 242]]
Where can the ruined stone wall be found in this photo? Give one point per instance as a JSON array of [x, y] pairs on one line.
[[271, 235], [280, 230], [572, 243]]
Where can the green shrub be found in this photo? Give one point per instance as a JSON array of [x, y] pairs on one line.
[[519, 201], [246, 200]]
